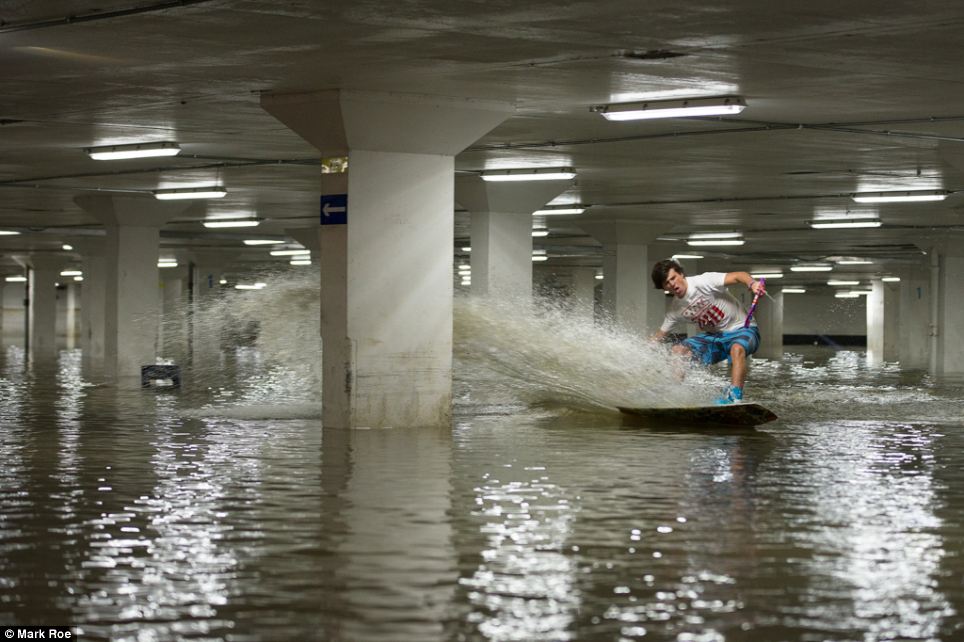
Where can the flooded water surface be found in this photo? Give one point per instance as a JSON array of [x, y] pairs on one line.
[[224, 511]]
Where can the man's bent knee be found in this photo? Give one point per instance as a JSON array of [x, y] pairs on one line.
[[737, 351]]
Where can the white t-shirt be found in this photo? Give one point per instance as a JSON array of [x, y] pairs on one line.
[[707, 304]]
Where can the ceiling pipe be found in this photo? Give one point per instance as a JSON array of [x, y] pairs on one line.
[[91, 17]]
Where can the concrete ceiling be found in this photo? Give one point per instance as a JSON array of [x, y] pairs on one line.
[[842, 97]]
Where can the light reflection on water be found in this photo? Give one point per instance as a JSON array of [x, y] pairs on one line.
[[204, 514]]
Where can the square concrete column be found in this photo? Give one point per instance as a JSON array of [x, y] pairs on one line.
[[947, 348], [584, 294], [501, 233], [131, 247], [42, 301], [769, 320], [93, 304], [914, 309], [386, 248], [73, 307], [883, 316]]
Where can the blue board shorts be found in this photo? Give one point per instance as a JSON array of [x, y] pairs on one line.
[[712, 347]]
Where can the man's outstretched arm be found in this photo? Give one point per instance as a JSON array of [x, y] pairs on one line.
[[732, 278]]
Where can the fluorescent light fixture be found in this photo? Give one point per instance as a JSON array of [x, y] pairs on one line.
[[8, 233], [677, 257], [841, 224], [250, 286], [842, 282], [540, 257], [599, 277], [167, 263], [183, 193], [891, 279], [262, 242], [467, 248], [529, 174], [811, 268], [288, 252], [71, 273], [908, 196], [861, 292], [300, 262], [767, 275], [223, 282], [708, 242], [15, 279], [717, 106], [78, 278], [135, 150], [846, 295], [248, 222], [66, 248], [559, 211], [794, 290], [854, 262], [540, 233], [716, 235]]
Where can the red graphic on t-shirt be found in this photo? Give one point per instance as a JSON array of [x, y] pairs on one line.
[[703, 313]]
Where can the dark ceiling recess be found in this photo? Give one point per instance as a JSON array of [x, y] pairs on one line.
[[653, 54]]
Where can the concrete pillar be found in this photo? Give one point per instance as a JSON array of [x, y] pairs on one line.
[[947, 348], [386, 248], [769, 319], [42, 307], [131, 247], [914, 310], [584, 294], [883, 317], [3, 286], [501, 215], [173, 338], [93, 305], [73, 306]]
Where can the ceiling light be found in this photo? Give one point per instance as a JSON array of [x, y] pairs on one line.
[[709, 242], [247, 222], [861, 292], [189, 192], [467, 248], [811, 268], [559, 211], [767, 275], [540, 233], [8, 233], [540, 257], [908, 196], [719, 106], [15, 279], [167, 263], [716, 235], [841, 282], [223, 282], [599, 277], [71, 273], [251, 286], [529, 174], [67, 248], [846, 295], [854, 262], [288, 252], [300, 262], [841, 224], [136, 150], [677, 257], [262, 242], [794, 290], [891, 279], [78, 278]]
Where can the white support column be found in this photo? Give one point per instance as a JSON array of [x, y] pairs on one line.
[[769, 320], [501, 234], [93, 303], [42, 311], [73, 306], [947, 356], [3, 287], [174, 310], [584, 294], [914, 318], [883, 314], [132, 244], [386, 291]]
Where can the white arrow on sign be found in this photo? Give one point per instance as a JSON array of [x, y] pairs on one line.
[[328, 209]]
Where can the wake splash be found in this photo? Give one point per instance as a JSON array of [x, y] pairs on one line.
[[538, 353]]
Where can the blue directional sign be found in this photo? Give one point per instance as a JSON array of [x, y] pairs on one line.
[[334, 209]]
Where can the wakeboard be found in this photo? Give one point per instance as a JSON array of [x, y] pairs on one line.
[[735, 414]]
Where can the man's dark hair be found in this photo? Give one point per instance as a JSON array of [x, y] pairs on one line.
[[661, 271]]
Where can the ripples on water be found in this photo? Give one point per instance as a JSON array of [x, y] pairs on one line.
[[223, 511]]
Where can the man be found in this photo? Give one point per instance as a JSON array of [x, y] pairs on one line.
[[704, 300]]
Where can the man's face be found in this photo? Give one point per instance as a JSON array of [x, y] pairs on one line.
[[675, 284]]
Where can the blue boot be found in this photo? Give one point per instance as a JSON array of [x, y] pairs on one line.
[[732, 395]]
